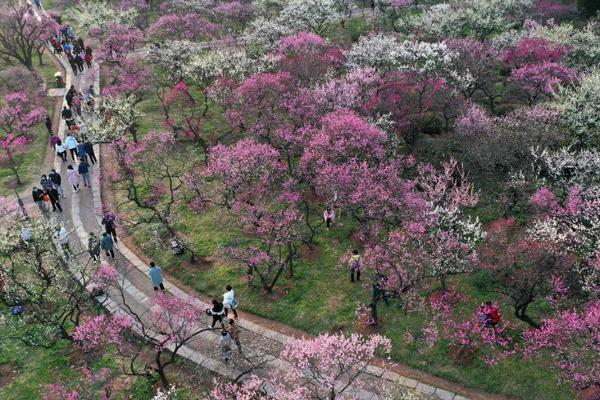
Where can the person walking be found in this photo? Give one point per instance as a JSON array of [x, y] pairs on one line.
[[108, 221], [38, 4], [63, 239], [48, 123], [72, 63], [71, 145], [56, 180], [229, 301], [225, 346], [79, 62], [89, 150], [84, 170], [94, 246], [46, 183], [354, 263], [53, 140], [61, 151], [66, 114], [88, 59], [54, 199], [81, 152], [73, 177], [38, 197], [156, 277], [217, 311], [70, 95], [328, 216], [107, 245], [234, 332]]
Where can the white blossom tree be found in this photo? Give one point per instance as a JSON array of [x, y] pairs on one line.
[[581, 110], [89, 14]]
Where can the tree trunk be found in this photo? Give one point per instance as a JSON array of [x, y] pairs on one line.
[[521, 313], [443, 283], [160, 369]]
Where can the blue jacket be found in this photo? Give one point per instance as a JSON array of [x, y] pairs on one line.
[[81, 150], [106, 243], [156, 276], [83, 168]]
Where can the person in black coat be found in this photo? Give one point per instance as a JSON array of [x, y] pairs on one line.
[[48, 124], [54, 199], [217, 312], [69, 96], [89, 150]]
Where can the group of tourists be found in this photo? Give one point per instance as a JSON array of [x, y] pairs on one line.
[[219, 312], [77, 53], [229, 331], [51, 191]]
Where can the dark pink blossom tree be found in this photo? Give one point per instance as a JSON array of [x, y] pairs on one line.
[[537, 80]]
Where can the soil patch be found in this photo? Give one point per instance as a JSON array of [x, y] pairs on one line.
[[309, 253], [7, 374]]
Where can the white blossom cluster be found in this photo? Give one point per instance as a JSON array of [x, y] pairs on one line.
[[581, 109], [263, 34], [313, 15], [385, 52], [478, 18], [568, 168], [172, 55], [90, 13], [116, 115], [229, 62], [191, 6]]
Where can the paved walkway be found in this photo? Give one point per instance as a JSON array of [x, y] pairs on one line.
[[82, 212]]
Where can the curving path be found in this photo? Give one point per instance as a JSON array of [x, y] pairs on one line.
[[82, 212]]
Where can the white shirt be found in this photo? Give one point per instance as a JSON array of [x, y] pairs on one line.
[[228, 298]]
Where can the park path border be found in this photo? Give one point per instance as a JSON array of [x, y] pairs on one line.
[[191, 354]]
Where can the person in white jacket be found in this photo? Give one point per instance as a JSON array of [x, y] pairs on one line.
[[71, 145], [61, 151], [229, 301]]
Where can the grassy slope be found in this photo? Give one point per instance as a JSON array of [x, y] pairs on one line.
[[320, 296]]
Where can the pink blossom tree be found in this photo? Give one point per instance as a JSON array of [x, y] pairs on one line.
[[169, 326], [307, 57], [117, 41], [437, 242], [132, 77], [12, 146], [325, 367], [573, 340], [19, 113], [522, 269], [22, 33], [541, 79], [152, 183], [190, 26], [17, 116], [90, 385]]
